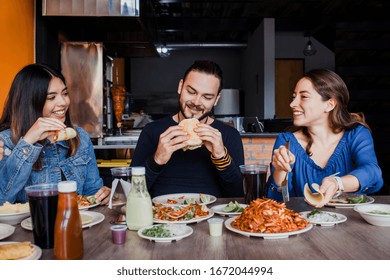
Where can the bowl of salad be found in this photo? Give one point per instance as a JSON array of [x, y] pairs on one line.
[[375, 214]]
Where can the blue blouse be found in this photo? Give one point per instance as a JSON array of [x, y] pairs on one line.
[[16, 171], [354, 155]]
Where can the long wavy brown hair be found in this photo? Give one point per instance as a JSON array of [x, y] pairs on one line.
[[25, 101], [330, 85]]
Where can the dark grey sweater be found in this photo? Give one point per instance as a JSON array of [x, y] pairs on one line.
[[191, 171]]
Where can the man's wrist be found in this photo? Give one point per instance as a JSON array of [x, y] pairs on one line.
[[223, 162], [221, 155], [153, 165]]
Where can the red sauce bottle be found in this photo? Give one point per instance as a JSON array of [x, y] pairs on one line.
[[68, 231]]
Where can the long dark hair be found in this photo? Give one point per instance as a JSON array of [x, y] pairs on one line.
[[25, 102], [330, 85]]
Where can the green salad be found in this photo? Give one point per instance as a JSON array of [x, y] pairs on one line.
[[357, 199], [158, 231]]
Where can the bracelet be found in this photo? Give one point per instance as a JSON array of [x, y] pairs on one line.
[[222, 163], [340, 185]]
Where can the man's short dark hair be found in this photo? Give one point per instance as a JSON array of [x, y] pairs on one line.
[[208, 67]]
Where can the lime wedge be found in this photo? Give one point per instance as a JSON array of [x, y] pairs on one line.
[[238, 208], [230, 207]]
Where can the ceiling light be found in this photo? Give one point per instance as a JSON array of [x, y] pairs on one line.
[[309, 49], [162, 50]]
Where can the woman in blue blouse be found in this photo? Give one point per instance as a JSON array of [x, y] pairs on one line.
[[36, 107], [326, 139]]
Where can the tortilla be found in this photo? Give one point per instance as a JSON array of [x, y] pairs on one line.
[[313, 198], [65, 134], [15, 251], [188, 126]]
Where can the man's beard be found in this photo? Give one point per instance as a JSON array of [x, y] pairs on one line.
[[202, 117]]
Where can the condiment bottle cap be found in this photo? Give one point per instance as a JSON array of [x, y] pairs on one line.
[[67, 186], [139, 170]]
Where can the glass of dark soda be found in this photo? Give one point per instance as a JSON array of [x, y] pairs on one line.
[[254, 181], [120, 193], [43, 200]]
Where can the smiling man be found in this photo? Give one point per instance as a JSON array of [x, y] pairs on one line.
[[214, 167]]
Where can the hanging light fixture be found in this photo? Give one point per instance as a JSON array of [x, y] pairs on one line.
[[309, 49], [163, 50]]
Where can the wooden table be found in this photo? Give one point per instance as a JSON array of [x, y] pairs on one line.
[[353, 239]]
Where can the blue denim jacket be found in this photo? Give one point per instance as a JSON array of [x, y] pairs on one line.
[[16, 167]]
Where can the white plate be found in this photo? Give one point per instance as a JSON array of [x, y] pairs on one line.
[[186, 231], [35, 255], [96, 219], [218, 209], [14, 218], [118, 203], [89, 206], [6, 230], [265, 235], [340, 219], [163, 199], [349, 205], [194, 220]]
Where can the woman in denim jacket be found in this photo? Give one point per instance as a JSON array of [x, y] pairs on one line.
[[36, 107]]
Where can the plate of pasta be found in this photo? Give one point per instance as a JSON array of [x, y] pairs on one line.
[[268, 219], [278, 235]]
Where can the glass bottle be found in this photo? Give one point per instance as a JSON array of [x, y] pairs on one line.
[[68, 232], [139, 211]]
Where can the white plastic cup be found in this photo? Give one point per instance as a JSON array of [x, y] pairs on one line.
[[215, 226]]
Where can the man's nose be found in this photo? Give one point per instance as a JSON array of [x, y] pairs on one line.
[[197, 100]]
